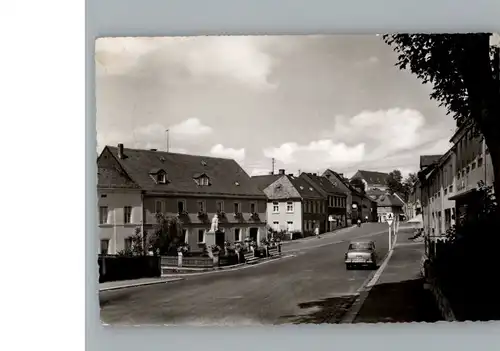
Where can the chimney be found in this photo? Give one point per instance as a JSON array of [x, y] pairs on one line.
[[341, 175], [290, 174], [120, 151], [282, 172], [315, 174]]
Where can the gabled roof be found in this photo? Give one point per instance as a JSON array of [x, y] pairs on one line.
[[112, 177], [429, 160], [323, 183], [346, 183], [372, 177], [305, 189], [226, 175], [388, 200], [263, 181]]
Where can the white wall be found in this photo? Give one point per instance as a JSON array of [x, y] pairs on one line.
[[282, 217], [115, 230]]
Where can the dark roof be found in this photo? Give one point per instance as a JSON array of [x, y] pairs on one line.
[[304, 188], [373, 177], [351, 188], [387, 200], [263, 181], [113, 177], [324, 183], [226, 175], [428, 160]]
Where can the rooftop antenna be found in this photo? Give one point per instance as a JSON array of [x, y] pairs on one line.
[[167, 140], [273, 163]]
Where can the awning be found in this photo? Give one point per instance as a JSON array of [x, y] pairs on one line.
[[417, 219]]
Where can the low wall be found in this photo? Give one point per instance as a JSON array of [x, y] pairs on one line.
[[191, 262], [441, 300], [114, 268]]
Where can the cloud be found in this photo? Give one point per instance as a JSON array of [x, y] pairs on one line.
[[190, 128], [316, 154], [236, 154], [153, 136], [259, 171], [379, 140], [241, 58]]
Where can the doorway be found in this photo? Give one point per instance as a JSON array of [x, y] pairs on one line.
[[254, 234]]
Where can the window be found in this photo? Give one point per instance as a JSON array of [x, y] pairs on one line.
[[128, 244], [201, 206], [289, 207], [446, 191], [127, 214], [104, 246], [237, 232], [289, 226], [468, 169], [313, 205], [252, 207], [276, 226], [276, 207], [103, 214], [473, 166], [181, 206], [237, 207], [220, 206], [480, 162], [203, 181], [161, 178], [201, 235], [450, 189], [158, 206]]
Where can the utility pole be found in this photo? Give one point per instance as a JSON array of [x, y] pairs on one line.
[[273, 163]]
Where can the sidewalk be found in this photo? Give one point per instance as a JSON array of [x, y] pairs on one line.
[[122, 284], [399, 295]]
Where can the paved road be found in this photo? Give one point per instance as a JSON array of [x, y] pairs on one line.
[[311, 287]]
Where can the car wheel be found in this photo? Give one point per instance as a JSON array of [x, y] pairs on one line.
[[348, 267], [374, 266]]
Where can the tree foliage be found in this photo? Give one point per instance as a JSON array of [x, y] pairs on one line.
[[167, 235], [358, 184], [395, 182], [137, 245], [463, 70]]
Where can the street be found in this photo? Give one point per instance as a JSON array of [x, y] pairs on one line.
[[312, 286]]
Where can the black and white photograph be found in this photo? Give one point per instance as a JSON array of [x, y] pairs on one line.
[[305, 179]]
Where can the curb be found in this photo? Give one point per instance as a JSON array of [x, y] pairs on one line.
[[163, 281], [228, 268]]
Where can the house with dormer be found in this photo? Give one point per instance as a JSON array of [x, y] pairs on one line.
[[135, 184], [293, 204]]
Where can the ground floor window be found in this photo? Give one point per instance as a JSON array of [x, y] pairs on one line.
[[276, 226], [289, 226], [201, 235], [104, 246], [237, 234], [128, 244]]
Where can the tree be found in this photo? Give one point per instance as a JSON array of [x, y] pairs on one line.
[[464, 72], [395, 182], [358, 184], [408, 185], [167, 235], [137, 245]]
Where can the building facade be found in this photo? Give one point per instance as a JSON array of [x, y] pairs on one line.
[[336, 202], [192, 188], [372, 180], [293, 205], [448, 185]]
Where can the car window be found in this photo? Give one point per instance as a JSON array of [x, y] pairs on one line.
[[360, 246]]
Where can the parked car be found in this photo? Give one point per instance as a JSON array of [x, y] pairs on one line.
[[361, 254]]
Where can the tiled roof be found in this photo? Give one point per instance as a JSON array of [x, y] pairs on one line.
[[387, 200], [112, 177], [428, 160], [304, 188], [226, 175], [263, 181], [372, 177], [323, 183]]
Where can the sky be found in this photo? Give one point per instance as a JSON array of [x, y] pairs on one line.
[[309, 102]]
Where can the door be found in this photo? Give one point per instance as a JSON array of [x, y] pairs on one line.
[[254, 234], [219, 239]]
